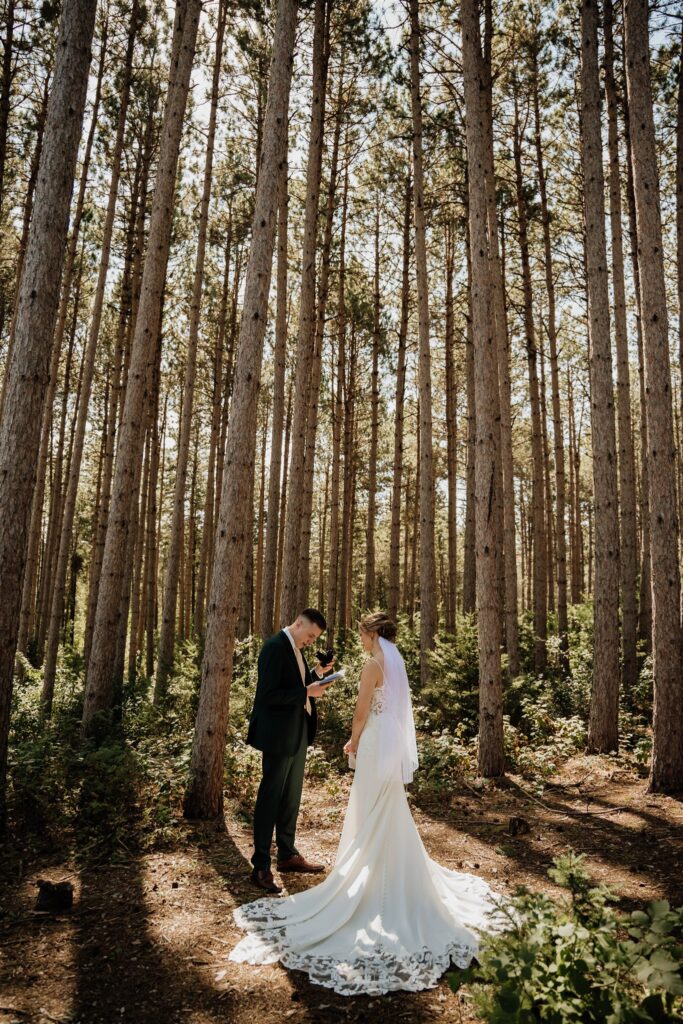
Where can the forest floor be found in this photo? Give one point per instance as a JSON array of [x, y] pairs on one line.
[[148, 939]]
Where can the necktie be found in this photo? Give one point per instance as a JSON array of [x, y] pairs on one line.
[[302, 669]]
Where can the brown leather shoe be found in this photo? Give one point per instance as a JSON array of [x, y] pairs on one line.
[[264, 880], [298, 863]]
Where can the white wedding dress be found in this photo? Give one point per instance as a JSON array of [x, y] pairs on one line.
[[387, 916]]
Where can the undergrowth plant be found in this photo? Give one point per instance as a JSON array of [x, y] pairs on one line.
[[576, 960]]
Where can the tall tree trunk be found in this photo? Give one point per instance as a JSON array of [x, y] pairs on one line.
[[349, 605], [6, 93], [27, 375], [679, 234], [99, 681], [666, 774], [322, 540], [540, 574], [549, 528], [56, 489], [227, 391], [8, 67], [204, 796], [628, 553], [316, 365], [283, 507], [243, 626], [152, 541], [508, 561], [337, 577], [142, 549], [306, 332], [604, 711], [406, 547], [394, 594], [170, 599], [487, 464], [345, 581], [558, 430], [216, 409], [58, 586], [129, 298], [258, 573], [337, 412], [428, 610], [415, 527], [451, 435], [140, 568], [574, 463], [26, 221], [72, 266], [645, 589], [273, 523], [469, 582], [370, 561]]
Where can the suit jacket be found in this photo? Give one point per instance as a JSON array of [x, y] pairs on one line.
[[279, 713]]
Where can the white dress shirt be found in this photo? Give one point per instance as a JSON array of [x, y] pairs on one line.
[[302, 668]]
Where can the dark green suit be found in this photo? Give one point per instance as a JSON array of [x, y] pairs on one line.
[[282, 729]]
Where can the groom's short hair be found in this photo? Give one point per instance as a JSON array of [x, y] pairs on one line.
[[313, 615]]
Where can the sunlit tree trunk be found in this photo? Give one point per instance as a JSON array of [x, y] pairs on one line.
[[558, 429], [628, 553], [303, 599], [27, 374], [336, 588], [283, 508], [59, 582], [508, 561], [451, 435], [99, 681], [394, 589], [469, 595], [204, 795], [540, 574], [428, 609], [273, 524], [216, 409], [604, 711], [666, 774], [129, 300], [170, 598], [488, 482], [306, 330], [370, 568]]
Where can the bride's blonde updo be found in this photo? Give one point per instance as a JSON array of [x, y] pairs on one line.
[[380, 623]]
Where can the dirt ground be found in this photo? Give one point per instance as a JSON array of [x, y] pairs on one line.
[[148, 940]]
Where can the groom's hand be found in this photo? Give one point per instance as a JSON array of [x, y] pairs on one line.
[[321, 670]]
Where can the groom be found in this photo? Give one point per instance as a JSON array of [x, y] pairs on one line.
[[282, 725]]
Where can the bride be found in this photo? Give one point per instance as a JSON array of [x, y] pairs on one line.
[[387, 916]]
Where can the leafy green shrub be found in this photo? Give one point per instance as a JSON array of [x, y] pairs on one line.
[[574, 960], [443, 757], [108, 810], [537, 758], [242, 771], [41, 756], [317, 765]]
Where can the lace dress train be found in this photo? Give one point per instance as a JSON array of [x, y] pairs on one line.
[[387, 916]]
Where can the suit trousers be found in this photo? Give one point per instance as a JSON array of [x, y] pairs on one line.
[[277, 804]]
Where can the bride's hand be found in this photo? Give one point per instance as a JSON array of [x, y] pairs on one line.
[[350, 747]]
